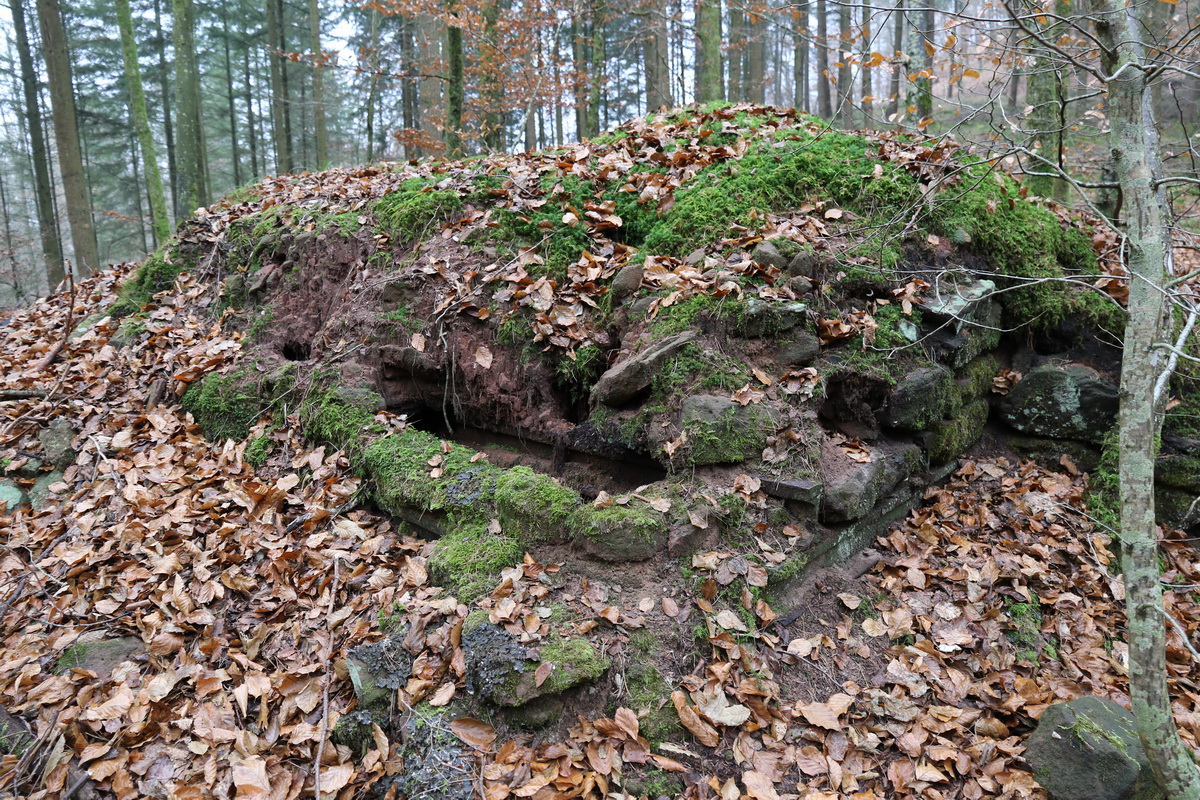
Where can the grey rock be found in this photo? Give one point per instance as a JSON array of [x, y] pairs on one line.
[[800, 352], [12, 496], [400, 290], [721, 431], [1062, 403], [641, 307], [500, 670], [39, 493], [958, 342], [378, 669], [956, 300], [1088, 749], [627, 280], [800, 285], [1049, 452], [623, 381], [852, 489], [801, 489], [767, 253], [805, 263], [56, 443], [436, 763], [919, 399], [766, 317], [621, 533], [404, 361], [99, 656]]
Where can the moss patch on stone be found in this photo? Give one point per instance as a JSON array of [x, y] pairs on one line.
[[951, 438], [410, 211], [621, 533], [468, 559], [225, 406], [536, 504], [340, 416]]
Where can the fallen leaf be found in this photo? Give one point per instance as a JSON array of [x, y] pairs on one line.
[[477, 734]]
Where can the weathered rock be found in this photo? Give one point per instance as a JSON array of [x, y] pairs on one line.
[[99, 656], [948, 439], [919, 399], [30, 468], [852, 489], [803, 350], [974, 381], [403, 361], [1088, 749], [1176, 507], [401, 290], [12, 496], [436, 763], [1178, 471], [534, 505], [503, 672], [804, 263], [720, 431], [800, 285], [378, 669], [802, 490], [767, 253], [766, 317], [621, 533], [1062, 403], [56, 443], [1049, 452], [40, 492], [956, 301], [627, 280], [622, 382]]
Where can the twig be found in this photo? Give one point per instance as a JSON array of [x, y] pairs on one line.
[[21, 394], [325, 691], [1182, 634], [69, 326]]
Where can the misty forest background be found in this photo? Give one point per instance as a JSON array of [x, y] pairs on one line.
[[235, 90]]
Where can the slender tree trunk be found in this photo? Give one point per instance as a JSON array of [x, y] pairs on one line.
[[754, 75], [251, 125], [44, 194], [318, 87], [735, 57], [455, 90], [799, 67], [921, 58], [66, 137], [280, 123], [1133, 141], [899, 67], [579, 79], [373, 80], [824, 100], [164, 90], [234, 149], [408, 89], [193, 187], [491, 64], [137, 182], [845, 81], [599, 63], [868, 88], [141, 123], [657, 58], [709, 83]]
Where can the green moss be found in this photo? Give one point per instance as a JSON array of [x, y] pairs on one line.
[[404, 479], [468, 560], [1026, 633], [225, 406], [341, 416], [952, 437], [577, 375], [694, 368], [156, 274], [403, 319], [534, 505], [410, 211], [258, 451], [740, 433], [261, 320], [1103, 497], [650, 699], [630, 532], [575, 660]]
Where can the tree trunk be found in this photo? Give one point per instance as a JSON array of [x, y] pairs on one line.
[[408, 89], [454, 91], [754, 75], [251, 126], [709, 83], [318, 85], [1133, 141], [868, 80], [164, 90], [193, 188], [599, 62], [44, 193], [578, 82], [491, 65], [922, 60], [373, 79], [66, 137], [735, 56], [280, 122], [845, 82], [899, 67], [234, 149], [657, 58], [141, 123], [1045, 93], [800, 66], [824, 101]]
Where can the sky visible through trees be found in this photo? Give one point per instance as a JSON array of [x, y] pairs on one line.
[[286, 85]]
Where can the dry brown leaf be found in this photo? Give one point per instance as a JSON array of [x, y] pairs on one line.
[[477, 734]]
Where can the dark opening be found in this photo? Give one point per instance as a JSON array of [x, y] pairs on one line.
[[296, 351], [436, 420]]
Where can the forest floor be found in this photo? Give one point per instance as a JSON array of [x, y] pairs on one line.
[[244, 587]]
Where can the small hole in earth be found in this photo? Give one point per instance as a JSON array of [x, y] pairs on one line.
[[296, 351]]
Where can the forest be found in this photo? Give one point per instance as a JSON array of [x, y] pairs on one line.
[[107, 102]]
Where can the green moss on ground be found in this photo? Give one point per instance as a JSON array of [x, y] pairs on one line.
[[410, 211], [225, 406], [575, 660], [258, 451], [156, 274], [468, 559], [341, 416], [405, 479], [535, 504]]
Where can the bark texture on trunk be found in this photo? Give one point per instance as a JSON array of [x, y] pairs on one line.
[[66, 137], [193, 185], [1133, 141], [709, 83], [141, 123]]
